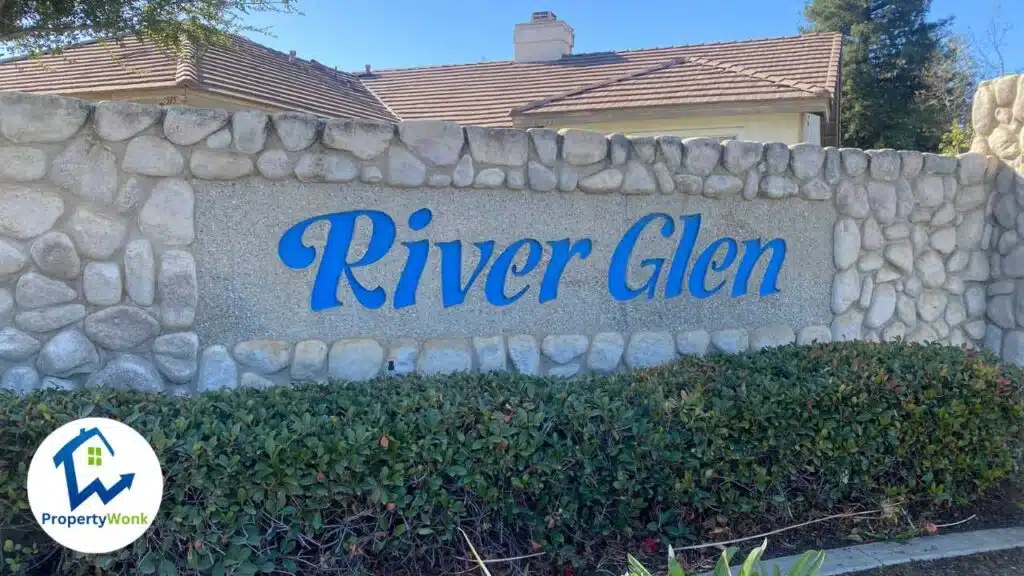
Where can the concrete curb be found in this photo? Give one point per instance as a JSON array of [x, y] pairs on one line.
[[879, 554]]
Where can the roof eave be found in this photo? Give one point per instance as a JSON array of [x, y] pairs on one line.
[[811, 104]]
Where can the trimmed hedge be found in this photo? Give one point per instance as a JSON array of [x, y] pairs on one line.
[[379, 476]]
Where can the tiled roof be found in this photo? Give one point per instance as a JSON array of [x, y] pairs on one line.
[[795, 67], [802, 67], [244, 69]]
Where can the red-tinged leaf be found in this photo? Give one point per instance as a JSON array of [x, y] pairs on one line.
[[384, 441]]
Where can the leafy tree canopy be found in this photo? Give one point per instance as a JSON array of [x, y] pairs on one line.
[[34, 26], [905, 78]]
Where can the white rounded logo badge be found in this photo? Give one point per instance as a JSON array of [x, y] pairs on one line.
[[95, 485]]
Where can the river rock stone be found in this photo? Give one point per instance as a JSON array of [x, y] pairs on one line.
[[176, 356], [22, 163], [26, 212], [16, 345], [102, 283], [97, 235], [489, 178], [296, 130], [900, 255], [140, 271], [816, 190], [55, 255], [730, 341], [498, 146], [50, 319], [846, 243], [885, 164], [178, 289], [806, 160], [845, 290], [6, 306], [778, 186], [564, 347], [930, 269], [1013, 347], [436, 141], [355, 359], [639, 180], [188, 126], [219, 165], [718, 185], [606, 352], [883, 305], [464, 172], [545, 143], [854, 161], [978, 267], [404, 169], [525, 353], [88, 169], [37, 291], [693, 342], [402, 354], [700, 155], [264, 356], [608, 180], [445, 357], [955, 312], [217, 370], [119, 120], [21, 380], [168, 215], [929, 191], [866, 291], [944, 240], [1001, 312], [847, 326], [882, 198], [647, 349], [491, 355], [249, 130], [740, 156], [871, 236], [219, 140], [121, 327], [255, 381], [40, 118], [327, 167], [583, 147], [974, 297], [931, 304], [689, 184], [814, 334], [542, 179], [776, 157], [771, 336], [12, 258], [68, 353], [852, 200], [365, 139], [127, 372], [310, 358]]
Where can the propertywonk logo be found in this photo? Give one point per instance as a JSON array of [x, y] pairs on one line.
[[95, 485]]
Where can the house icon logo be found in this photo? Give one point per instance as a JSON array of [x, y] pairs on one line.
[[95, 485]]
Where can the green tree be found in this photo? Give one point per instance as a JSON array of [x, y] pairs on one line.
[[889, 48], [33, 26]]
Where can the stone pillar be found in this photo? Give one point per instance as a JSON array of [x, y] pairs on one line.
[[998, 116]]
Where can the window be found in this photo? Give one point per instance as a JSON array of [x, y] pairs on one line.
[[95, 456]]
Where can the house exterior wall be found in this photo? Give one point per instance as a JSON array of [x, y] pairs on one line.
[[785, 128], [184, 250]]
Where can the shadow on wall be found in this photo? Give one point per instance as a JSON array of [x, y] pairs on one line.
[[998, 117]]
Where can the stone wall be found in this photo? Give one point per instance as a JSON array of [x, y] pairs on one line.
[[115, 269], [998, 117]]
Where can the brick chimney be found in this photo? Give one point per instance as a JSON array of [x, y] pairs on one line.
[[544, 38]]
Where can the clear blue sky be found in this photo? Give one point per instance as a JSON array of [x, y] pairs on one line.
[[400, 33]]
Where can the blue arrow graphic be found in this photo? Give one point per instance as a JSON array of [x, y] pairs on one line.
[[75, 496]]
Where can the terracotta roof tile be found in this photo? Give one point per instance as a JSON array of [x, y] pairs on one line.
[[243, 69], [796, 67], [803, 66]]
